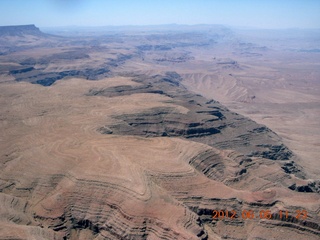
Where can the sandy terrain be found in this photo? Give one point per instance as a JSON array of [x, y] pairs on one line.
[[52, 150], [285, 97], [101, 137]]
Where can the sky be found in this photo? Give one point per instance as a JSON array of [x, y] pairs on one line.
[[270, 14]]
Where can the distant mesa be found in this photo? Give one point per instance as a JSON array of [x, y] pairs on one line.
[[20, 30]]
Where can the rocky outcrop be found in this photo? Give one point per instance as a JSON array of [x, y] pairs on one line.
[[21, 70], [313, 186], [119, 60], [205, 121], [177, 58], [29, 74], [274, 152], [164, 122]]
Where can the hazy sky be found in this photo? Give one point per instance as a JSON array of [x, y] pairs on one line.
[[247, 13]]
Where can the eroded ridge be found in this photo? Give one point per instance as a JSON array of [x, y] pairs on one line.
[[61, 178], [100, 139], [204, 121]]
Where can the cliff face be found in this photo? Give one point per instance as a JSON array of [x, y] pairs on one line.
[[20, 30], [206, 121]]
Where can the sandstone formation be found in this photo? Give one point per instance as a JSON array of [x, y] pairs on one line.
[[95, 144], [206, 121]]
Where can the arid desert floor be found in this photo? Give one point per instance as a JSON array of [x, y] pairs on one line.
[[154, 133]]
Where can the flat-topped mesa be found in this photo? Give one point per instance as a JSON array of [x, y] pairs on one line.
[[19, 30]]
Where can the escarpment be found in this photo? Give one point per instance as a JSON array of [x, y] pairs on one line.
[[20, 30], [204, 121]]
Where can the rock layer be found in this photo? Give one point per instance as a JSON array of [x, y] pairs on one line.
[[137, 155], [61, 178], [205, 121]]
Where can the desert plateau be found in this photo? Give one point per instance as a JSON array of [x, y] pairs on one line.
[[159, 132]]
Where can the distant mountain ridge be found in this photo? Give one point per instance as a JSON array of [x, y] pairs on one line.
[[20, 30]]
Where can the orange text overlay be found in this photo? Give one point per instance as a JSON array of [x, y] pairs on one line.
[[261, 214]]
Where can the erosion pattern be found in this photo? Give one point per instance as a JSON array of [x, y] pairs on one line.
[[205, 121], [138, 156]]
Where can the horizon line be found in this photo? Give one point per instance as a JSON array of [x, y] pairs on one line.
[[164, 25]]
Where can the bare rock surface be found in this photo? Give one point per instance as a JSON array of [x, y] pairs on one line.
[[205, 121], [61, 178], [100, 140]]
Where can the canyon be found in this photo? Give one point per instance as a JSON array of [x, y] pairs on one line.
[[142, 133]]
